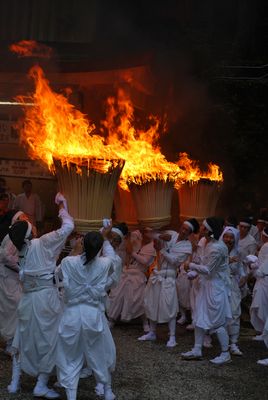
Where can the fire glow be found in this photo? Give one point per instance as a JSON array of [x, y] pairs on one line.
[[54, 129]]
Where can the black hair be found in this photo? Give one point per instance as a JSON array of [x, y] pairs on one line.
[[122, 227], [93, 242], [17, 233], [232, 221]]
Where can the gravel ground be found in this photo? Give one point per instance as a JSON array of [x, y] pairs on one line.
[[150, 371]]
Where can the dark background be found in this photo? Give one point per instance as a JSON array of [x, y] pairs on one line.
[[208, 64]]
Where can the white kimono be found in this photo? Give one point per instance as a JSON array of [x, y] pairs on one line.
[[126, 301], [31, 206], [40, 308], [212, 303], [247, 246], [84, 334], [10, 288], [259, 305], [161, 299]]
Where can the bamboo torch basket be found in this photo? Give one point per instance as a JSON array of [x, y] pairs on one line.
[[199, 199], [153, 202], [88, 191], [125, 210]]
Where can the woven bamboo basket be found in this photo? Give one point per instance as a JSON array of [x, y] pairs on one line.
[[153, 203], [199, 199], [89, 192], [125, 210]]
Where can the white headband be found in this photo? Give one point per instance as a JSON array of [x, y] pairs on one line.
[[244, 224], [116, 230], [264, 233], [16, 216], [29, 230], [189, 224], [207, 226], [263, 220]]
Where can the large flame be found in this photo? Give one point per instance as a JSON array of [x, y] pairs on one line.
[[54, 129], [191, 172], [144, 159]]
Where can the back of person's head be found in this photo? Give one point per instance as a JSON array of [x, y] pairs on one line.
[[122, 226], [19, 232], [93, 242]]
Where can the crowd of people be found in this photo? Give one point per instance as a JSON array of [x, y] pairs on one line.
[[57, 312]]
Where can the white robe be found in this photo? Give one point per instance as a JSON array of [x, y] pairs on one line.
[[40, 308], [126, 301], [31, 206], [84, 334], [212, 303], [10, 288], [247, 246], [259, 305], [161, 299]]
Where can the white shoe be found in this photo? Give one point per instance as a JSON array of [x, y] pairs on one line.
[[207, 342], [193, 354], [45, 392], [148, 336], [234, 350], [264, 362], [258, 338], [223, 358], [108, 393], [181, 320], [190, 327], [171, 342], [85, 373], [99, 389], [13, 387]]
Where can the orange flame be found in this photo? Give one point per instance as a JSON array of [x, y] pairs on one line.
[[53, 128], [144, 159], [30, 48], [192, 173]]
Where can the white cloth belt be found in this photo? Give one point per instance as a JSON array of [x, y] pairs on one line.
[[35, 283], [161, 275]]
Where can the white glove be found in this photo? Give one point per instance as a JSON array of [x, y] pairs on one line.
[[251, 259], [61, 199], [192, 275]]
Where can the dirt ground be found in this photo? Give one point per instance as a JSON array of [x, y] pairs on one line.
[[150, 371]]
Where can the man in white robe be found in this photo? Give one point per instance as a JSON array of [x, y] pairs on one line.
[[30, 204], [40, 307], [259, 305], [213, 311], [83, 331], [161, 298]]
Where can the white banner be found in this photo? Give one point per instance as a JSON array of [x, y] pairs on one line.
[[24, 169]]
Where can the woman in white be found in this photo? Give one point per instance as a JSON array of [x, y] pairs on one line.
[[40, 308], [84, 334], [126, 300], [230, 237], [10, 286], [259, 305], [161, 299], [213, 311]]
